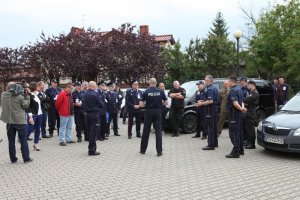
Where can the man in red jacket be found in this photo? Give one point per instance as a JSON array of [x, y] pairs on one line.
[[65, 108]]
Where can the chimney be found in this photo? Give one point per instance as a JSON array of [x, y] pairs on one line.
[[144, 29]]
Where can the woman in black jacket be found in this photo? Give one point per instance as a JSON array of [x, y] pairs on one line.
[[35, 115]]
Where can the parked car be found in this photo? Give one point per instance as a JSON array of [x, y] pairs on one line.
[[265, 106], [281, 131]]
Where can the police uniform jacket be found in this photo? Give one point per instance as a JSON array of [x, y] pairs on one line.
[[211, 93], [52, 94], [78, 97], [102, 95], [133, 97], [112, 102], [235, 94], [200, 95], [92, 101], [153, 98], [245, 91]]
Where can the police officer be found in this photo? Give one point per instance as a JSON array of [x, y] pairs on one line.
[[153, 100], [200, 111], [245, 90], [235, 108], [211, 103], [53, 116], [91, 104], [133, 98], [223, 94], [79, 112], [104, 128], [251, 103], [112, 107], [177, 94]]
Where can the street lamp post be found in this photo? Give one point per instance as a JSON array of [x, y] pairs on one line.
[[238, 34]]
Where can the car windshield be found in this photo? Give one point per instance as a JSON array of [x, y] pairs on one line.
[[190, 88], [292, 105]]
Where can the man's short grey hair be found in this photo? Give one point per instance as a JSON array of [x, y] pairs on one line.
[[9, 85], [209, 77], [152, 81], [85, 83], [92, 85]]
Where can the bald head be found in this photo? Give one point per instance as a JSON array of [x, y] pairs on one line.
[[9, 85], [92, 85], [152, 82], [176, 84]]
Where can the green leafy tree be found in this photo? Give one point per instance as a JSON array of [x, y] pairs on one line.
[[219, 51], [275, 48]]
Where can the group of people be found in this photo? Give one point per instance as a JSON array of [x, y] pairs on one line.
[[238, 103], [95, 108]]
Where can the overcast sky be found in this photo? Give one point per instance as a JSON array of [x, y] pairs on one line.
[[22, 21]]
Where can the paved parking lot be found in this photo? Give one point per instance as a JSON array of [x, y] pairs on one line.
[[120, 172]]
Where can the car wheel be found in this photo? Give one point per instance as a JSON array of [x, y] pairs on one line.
[[260, 115], [189, 123]]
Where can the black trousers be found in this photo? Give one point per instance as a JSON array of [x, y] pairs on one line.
[[152, 116], [163, 118], [103, 127], [53, 119], [250, 126], [93, 125], [12, 130], [176, 115], [80, 123], [235, 130], [125, 112], [113, 117], [137, 117], [201, 126]]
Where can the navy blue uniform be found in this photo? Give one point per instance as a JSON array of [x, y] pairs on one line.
[[246, 93], [92, 104], [235, 118], [79, 116], [104, 127], [53, 116], [112, 109], [200, 111], [133, 97], [283, 94], [152, 98], [211, 117]]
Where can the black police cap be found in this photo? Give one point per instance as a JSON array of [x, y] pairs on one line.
[[77, 83], [101, 83], [53, 81], [243, 79], [110, 83], [133, 81]]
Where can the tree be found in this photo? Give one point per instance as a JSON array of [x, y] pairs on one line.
[[219, 51], [274, 48]]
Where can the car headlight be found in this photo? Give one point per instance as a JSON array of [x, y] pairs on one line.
[[297, 132], [260, 126]]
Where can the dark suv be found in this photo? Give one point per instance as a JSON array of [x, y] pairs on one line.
[[264, 108]]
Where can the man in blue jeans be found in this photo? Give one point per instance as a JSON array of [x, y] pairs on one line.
[[64, 105], [13, 114]]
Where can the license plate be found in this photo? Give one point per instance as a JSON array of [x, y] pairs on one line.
[[274, 140]]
